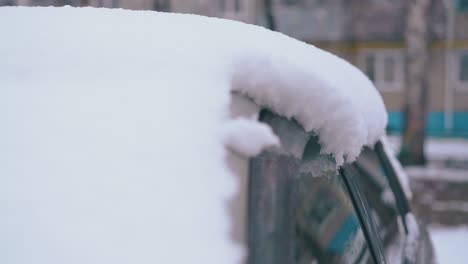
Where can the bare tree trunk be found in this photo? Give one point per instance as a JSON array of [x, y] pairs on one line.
[[269, 16], [415, 109]]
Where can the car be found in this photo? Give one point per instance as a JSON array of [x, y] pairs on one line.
[[358, 213], [146, 137]]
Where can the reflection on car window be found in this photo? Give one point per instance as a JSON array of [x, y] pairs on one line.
[[380, 197], [299, 208], [327, 229]]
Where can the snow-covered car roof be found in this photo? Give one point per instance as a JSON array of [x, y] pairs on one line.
[[105, 113]]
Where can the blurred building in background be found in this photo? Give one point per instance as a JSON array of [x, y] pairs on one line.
[[368, 33], [242, 10]]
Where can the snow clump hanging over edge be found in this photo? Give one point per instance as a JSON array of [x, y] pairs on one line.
[[323, 92], [248, 137]]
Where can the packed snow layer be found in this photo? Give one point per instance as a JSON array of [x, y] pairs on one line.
[[113, 129], [97, 172], [324, 93], [450, 244]]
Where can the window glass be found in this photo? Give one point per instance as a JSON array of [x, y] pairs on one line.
[[327, 228], [237, 6], [373, 183], [230, 5], [463, 74], [115, 3], [222, 5], [462, 5], [389, 69], [384, 67], [292, 136], [161, 5], [299, 208], [292, 2], [370, 66]]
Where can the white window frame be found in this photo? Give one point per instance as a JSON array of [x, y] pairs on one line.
[[459, 85], [379, 56]]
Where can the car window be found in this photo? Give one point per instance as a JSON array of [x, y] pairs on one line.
[[299, 208], [328, 230], [373, 182]]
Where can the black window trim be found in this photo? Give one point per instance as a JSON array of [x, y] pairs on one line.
[[362, 171], [400, 197], [362, 212]]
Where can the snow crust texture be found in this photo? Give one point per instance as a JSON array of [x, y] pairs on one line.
[[114, 129]]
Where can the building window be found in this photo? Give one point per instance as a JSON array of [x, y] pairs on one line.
[[370, 67], [222, 5], [389, 69], [229, 6], [463, 68], [459, 70], [292, 2], [7, 3], [461, 5], [161, 5], [384, 68]]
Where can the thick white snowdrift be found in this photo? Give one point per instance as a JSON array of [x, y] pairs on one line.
[[113, 129]]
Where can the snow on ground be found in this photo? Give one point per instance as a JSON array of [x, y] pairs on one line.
[[448, 148], [444, 206], [450, 244], [440, 148], [448, 159], [436, 172]]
